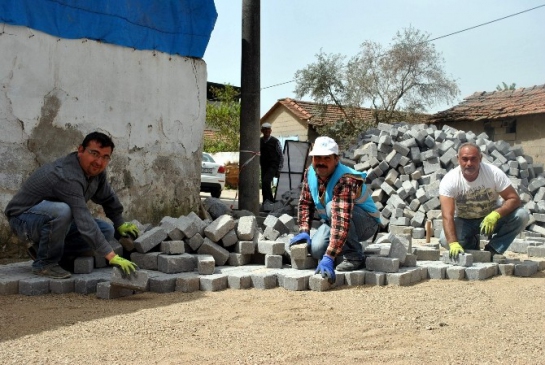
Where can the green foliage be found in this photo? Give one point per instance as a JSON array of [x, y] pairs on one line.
[[398, 83], [506, 87], [223, 117]]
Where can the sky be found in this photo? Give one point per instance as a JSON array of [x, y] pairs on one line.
[[511, 50]]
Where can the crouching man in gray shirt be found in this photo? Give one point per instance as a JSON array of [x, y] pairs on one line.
[[50, 210]]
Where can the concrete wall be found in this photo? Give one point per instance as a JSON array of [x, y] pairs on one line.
[[55, 91]]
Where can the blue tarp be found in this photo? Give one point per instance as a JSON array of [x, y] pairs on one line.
[[180, 27]]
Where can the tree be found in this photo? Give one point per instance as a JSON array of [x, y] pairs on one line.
[[506, 87], [397, 83], [223, 117]]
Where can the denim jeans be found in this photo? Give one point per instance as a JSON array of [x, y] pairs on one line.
[[362, 227], [507, 228], [50, 228]]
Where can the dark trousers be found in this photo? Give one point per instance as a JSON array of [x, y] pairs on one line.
[[267, 176]]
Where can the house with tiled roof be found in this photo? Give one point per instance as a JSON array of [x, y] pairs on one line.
[[298, 119], [515, 116]]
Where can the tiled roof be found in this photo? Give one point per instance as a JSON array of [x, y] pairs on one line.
[[317, 114], [496, 105]]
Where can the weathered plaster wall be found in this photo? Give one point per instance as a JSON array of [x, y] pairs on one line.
[[55, 91]]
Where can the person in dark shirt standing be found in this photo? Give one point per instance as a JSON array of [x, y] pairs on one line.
[[271, 160], [50, 210]]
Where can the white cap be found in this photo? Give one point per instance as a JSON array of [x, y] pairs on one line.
[[324, 146], [265, 125]]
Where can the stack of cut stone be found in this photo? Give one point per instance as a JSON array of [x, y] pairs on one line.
[[405, 163]]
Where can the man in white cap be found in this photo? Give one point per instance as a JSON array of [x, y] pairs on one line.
[[340, 196], [271, 160]]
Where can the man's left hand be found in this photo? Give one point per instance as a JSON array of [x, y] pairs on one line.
[[489, 223], [325, 267], [128, 228]]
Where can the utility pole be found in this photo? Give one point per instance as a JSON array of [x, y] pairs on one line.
[[249, 107]]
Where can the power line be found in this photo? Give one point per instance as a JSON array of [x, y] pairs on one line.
[[444, 36]]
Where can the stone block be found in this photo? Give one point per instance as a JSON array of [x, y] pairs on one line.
[[205, 264], [187, 283], [383, 264], [524, 269], [481, 271], [219, 228], [246, 228], [172, 247], [273, 261], [270, 247], [264, 279], [138, 280], [172, 264], [162, 283], [215, 282], [34, 286], [150, 239], [146, 261], [220, 254], [107, 291], [84, 265], [463, 259]]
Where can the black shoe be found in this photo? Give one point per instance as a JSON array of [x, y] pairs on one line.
[[31, 252], [350, 265], [491, 250], [52, 271]]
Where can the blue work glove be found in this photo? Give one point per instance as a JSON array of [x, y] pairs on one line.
[[325, 267], [301, 238]]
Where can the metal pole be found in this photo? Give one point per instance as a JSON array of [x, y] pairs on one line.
[[249, 108]]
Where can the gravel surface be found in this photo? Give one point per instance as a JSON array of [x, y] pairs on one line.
[[496, 321]]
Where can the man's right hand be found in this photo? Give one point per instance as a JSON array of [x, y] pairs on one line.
[[127, 267], [302, 237], [454, 250]]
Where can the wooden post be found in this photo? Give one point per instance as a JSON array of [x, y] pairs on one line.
[[428, 231]]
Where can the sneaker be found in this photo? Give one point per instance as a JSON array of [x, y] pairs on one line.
[[53, 272], [350, 265]]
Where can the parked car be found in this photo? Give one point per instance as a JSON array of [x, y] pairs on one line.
[[212, 176]]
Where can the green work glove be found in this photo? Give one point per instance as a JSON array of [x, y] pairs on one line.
[[128, 228], [489, 223], [454, 250], [127, 267]]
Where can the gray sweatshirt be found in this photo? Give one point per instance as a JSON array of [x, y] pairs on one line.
[[64, 181]]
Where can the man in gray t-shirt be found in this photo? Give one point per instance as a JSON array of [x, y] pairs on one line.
[[50, 210], [470, 196]]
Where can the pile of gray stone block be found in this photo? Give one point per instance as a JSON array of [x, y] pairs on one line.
[[188, 254], [405, 163]]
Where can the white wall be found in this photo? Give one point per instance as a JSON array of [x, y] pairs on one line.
[[55, 91]]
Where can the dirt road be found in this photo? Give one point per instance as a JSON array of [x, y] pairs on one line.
[[496, 321]]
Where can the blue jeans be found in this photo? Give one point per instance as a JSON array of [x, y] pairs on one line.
[[49, 227], [507, 228], [362, 227]]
